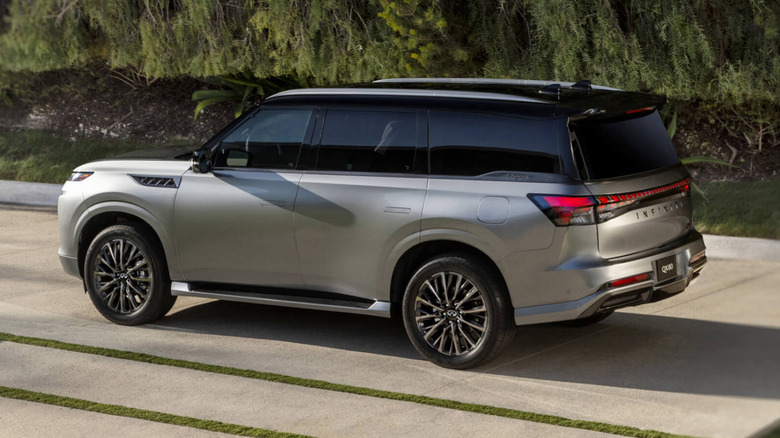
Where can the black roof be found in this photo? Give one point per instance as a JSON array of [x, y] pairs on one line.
[[535, 98]]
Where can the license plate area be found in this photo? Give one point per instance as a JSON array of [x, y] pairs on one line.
[[666, 268]]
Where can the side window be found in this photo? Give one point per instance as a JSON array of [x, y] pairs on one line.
[[368, 141], [469, 144], [271, 139]]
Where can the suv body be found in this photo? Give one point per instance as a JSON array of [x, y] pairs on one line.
[[467, 206]]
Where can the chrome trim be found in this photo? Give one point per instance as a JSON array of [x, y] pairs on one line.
[[378, 308], [486, 81], [475, 95]]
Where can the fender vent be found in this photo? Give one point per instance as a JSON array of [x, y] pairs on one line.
[[155, 181]]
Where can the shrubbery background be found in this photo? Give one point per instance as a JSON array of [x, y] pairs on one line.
[[725, 51]]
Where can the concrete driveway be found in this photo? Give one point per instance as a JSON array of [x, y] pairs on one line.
[[704, 363]]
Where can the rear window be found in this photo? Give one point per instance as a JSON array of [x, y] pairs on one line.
[[622, 148]]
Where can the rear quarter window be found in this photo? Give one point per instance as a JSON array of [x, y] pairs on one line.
[[471, 144], [613, 149]]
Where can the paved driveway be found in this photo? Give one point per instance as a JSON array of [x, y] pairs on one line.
[[704, 363]]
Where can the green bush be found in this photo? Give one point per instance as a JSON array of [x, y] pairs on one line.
[[725, 51]]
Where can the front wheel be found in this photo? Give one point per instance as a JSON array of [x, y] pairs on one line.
[[457, 312], [126, 275]]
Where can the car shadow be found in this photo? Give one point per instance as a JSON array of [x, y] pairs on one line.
[[343, 331], [647, 352], [650, 352]]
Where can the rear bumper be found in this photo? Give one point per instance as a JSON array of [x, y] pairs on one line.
[[606, 298]]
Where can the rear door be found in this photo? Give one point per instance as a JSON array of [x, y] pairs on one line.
[[632, 169], [362, 201]]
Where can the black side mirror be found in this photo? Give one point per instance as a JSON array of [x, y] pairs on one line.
[[201, 161]]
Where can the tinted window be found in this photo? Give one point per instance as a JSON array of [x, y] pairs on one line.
[[614, 149], [475, 144], [368, 141], [270, 139]]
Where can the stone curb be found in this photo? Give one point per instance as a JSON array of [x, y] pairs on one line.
[[719, 247], [27, 193]]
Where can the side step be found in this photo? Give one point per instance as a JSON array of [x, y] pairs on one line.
[[375, 308]]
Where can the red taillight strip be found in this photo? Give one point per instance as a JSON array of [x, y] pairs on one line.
[[579, 210], [640, 110], [608, 199]]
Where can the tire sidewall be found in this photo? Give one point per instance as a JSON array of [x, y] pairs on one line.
[[153, 304]]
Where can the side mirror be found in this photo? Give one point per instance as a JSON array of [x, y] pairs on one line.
[[201, 161]]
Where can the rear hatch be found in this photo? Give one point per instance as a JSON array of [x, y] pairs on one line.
[[628, 163]]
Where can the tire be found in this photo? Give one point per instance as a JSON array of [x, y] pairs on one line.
[[126, 275], [588, 320], [467, 321]]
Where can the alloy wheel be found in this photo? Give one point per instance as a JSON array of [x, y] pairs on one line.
[[122, 276], [450, 313]]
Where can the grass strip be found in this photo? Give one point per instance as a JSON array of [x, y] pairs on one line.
[[739, 208], [142, 414], [328, 386]]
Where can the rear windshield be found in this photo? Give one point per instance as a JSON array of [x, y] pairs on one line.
[[626, 147]]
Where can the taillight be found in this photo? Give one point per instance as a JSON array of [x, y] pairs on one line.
[[587, 210], [566, 210]]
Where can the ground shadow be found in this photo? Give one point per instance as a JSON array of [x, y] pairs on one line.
[[648, 352], [344, 331]]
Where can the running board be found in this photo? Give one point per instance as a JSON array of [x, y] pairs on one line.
[[377, 308]]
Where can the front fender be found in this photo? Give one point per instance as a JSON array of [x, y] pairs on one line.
[[157, 225]]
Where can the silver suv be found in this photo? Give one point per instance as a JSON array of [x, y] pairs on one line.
[[464, 206]]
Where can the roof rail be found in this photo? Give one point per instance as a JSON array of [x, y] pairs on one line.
[[552, 90], [488, 81], [477, 95], [583, 85]]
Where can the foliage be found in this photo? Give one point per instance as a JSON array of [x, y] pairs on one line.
[[725, 51], [241, 89], [423, 44]]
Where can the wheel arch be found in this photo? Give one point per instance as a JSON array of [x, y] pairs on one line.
[[104, 215], [414, 257]]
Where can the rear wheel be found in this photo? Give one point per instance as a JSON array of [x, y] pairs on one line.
[[126, 275], [456, 312]]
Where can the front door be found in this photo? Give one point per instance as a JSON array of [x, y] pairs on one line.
[[235, 224]]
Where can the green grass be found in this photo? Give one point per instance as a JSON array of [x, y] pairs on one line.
[[746, 209], [142, 414], [36, 156], [328, 386]]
